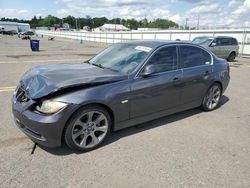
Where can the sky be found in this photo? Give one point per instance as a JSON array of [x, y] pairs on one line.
[[212, 13]]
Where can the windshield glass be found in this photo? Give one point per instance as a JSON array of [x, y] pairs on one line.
[[201, 40], [121, 57]]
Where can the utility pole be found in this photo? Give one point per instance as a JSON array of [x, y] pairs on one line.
[[186, 25], [198, 22], [76, 24]]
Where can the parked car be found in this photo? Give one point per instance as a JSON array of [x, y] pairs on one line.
[[124, 85], [27, 33], [9, 32], [223, 47]]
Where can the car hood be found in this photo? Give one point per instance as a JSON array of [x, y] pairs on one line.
[[47, 79]]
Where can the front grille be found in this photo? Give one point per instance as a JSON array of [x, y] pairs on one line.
[[21, 95]]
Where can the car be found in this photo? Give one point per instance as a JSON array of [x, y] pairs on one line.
[[126, 84], [8, 32], [223, 47], [27, 33]]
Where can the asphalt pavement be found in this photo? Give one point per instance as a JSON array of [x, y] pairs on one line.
[[187, 149]]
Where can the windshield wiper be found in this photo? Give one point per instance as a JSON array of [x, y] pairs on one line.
[[86, 62], [98, 65]]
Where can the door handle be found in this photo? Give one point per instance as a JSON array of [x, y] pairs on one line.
[[175, 79]]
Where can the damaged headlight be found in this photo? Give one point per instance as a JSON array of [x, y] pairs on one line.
[[50, 106]]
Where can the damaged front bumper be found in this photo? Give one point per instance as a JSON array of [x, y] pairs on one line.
[[43, 129]]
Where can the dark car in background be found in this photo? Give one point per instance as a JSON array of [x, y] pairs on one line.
[[8, 32], [124, 85], [27, 33], [222, 46]]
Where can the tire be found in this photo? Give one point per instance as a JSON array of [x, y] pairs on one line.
[[212, 98], [231, 57], [87, 128]]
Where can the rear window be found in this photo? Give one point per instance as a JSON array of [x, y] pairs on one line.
[[234, 41], [193, 56]]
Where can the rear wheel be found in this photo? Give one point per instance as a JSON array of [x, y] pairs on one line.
[[231, 57], [212, 98], [88, 128]]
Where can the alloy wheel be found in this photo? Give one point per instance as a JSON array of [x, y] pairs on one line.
[[89, 129], [213, 97]]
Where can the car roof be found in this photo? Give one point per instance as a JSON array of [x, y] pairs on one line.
[[213, 37], [155, 43]]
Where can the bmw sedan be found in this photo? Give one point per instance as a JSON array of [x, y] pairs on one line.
[[124, 85]]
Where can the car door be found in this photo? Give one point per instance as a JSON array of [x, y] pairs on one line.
[[160, 90], [232, 46], [216, 47], [197, 68], [226, 44]]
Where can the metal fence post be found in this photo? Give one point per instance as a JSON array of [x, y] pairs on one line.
[[243, 41]]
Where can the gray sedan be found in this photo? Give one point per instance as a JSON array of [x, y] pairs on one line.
[[124, 85]]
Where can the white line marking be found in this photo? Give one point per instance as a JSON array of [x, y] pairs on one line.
[[39, 61]]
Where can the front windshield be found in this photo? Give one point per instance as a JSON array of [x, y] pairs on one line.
[[201, 40], [121, 57]]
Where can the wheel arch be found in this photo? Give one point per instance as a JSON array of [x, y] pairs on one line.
[[106, 107], [217, 82], [233, 52]]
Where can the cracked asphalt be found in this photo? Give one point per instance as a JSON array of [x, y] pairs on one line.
[[187, 149]]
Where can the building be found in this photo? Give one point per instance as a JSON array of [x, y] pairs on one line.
[[19, 27], [113, 27]]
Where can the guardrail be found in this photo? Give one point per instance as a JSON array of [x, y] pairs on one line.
[[243, 36]]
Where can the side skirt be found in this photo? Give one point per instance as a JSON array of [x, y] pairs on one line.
[[149, 117]]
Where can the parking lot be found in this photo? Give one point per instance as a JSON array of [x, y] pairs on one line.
[[187, 149]]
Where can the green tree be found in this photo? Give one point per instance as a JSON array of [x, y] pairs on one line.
[[70, 20], [51, 21]]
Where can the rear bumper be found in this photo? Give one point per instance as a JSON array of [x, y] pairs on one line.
[[45, 130], [225, 83]]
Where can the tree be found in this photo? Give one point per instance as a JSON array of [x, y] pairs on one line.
[[89, 22], [51, 21], [70, 20], [97, 22], [132, 23]]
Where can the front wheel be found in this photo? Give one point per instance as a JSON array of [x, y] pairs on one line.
[[88, 128], [212, 98]]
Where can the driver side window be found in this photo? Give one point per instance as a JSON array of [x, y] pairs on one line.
[[165, 59]]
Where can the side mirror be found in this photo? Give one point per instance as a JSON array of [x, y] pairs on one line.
[[213, 44], [148, 70]]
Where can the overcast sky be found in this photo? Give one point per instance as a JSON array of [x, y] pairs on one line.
[[221, 13]]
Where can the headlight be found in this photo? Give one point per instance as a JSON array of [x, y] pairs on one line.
[[50, 106]]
